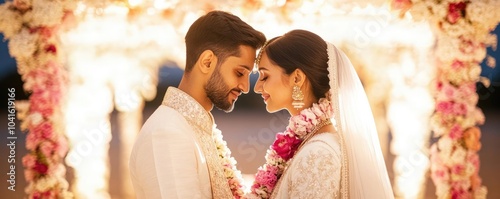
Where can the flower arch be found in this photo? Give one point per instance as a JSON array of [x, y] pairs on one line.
[[33, 28], [463, 32], [462, 29]]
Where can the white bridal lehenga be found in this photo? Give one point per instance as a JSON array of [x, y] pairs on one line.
[[314, 171]]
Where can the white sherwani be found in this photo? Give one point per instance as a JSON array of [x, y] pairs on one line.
[[174, 155], [314, 172]]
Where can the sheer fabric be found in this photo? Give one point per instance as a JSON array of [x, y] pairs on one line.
[[363, 170]]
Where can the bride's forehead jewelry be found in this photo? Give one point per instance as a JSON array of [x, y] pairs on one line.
[[259, 56]]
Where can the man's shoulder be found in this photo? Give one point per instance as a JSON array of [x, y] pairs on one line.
[[165, 119]]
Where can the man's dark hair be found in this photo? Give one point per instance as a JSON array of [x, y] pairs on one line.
[[222, 33]]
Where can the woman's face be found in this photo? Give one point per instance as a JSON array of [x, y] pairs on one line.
[[274, 85]]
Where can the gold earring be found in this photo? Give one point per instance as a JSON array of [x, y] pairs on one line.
[[298, 97]]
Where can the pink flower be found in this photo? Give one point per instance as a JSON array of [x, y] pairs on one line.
[[51, 49], [40, 168], [47, 148], [47, 32], [46, 194], [456, 132], [32, 141], [440, 175], [457, 64], [40, 103], [317, 111], [29, 175], [29, 160], [439, 85], [311, 119], [459, 109], [459, 190], [456, 11], [467, 89], [297, 125], [44, 130], [457, 169], [267, 177], [473, 158], [285, 145], [448, 91], [445, 107], [326, 107]]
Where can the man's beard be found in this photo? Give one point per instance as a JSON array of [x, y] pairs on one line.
[[218, 92]]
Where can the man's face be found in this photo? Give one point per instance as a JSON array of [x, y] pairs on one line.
[[230, 79]]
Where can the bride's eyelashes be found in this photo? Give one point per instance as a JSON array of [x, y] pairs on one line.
[[263, 79]]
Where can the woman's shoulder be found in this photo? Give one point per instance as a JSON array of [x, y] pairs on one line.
[[322, 143]]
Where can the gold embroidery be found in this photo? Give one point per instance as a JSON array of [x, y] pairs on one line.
[[315, 174], [202, 123]]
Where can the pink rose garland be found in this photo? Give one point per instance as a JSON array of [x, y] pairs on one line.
[[285, 146]]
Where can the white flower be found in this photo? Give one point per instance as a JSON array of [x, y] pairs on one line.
[[47, 13], [11, 20], [481, 193], [23, 45], [443, 190], [69, 4], [36, 118], [458, 156], [474, 72], [45, 183]]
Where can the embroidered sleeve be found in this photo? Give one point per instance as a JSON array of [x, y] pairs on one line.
[[316, 172]]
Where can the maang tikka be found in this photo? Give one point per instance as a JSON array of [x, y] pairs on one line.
[[298, 97]]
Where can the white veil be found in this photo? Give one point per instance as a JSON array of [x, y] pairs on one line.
[[363, 173]]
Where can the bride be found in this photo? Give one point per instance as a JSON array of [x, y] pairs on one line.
[[330, 148]]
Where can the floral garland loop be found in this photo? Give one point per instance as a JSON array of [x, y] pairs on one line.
[[285, 146]]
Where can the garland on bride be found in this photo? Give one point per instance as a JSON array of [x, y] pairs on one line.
[[31, 26], [462, 30], [285, 146]]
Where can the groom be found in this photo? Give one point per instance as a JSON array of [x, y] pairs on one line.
[[175, 155]]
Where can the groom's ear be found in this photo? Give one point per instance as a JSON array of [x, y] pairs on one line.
[[207, 62]]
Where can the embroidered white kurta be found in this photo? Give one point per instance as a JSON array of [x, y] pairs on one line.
[[174, 155], [314, 172]]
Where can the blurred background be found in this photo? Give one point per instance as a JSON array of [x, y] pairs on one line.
[[249, 129]]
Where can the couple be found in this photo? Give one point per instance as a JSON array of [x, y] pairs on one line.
[[330, 148]]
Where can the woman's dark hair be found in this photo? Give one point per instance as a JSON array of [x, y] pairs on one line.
[[304, 50], [222, 33]]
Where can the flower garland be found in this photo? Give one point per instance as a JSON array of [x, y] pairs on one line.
[[285, 146], [32, 26], [232, 174], [463, 34]]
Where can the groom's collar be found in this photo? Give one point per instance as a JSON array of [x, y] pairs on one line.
[[189, 108]]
